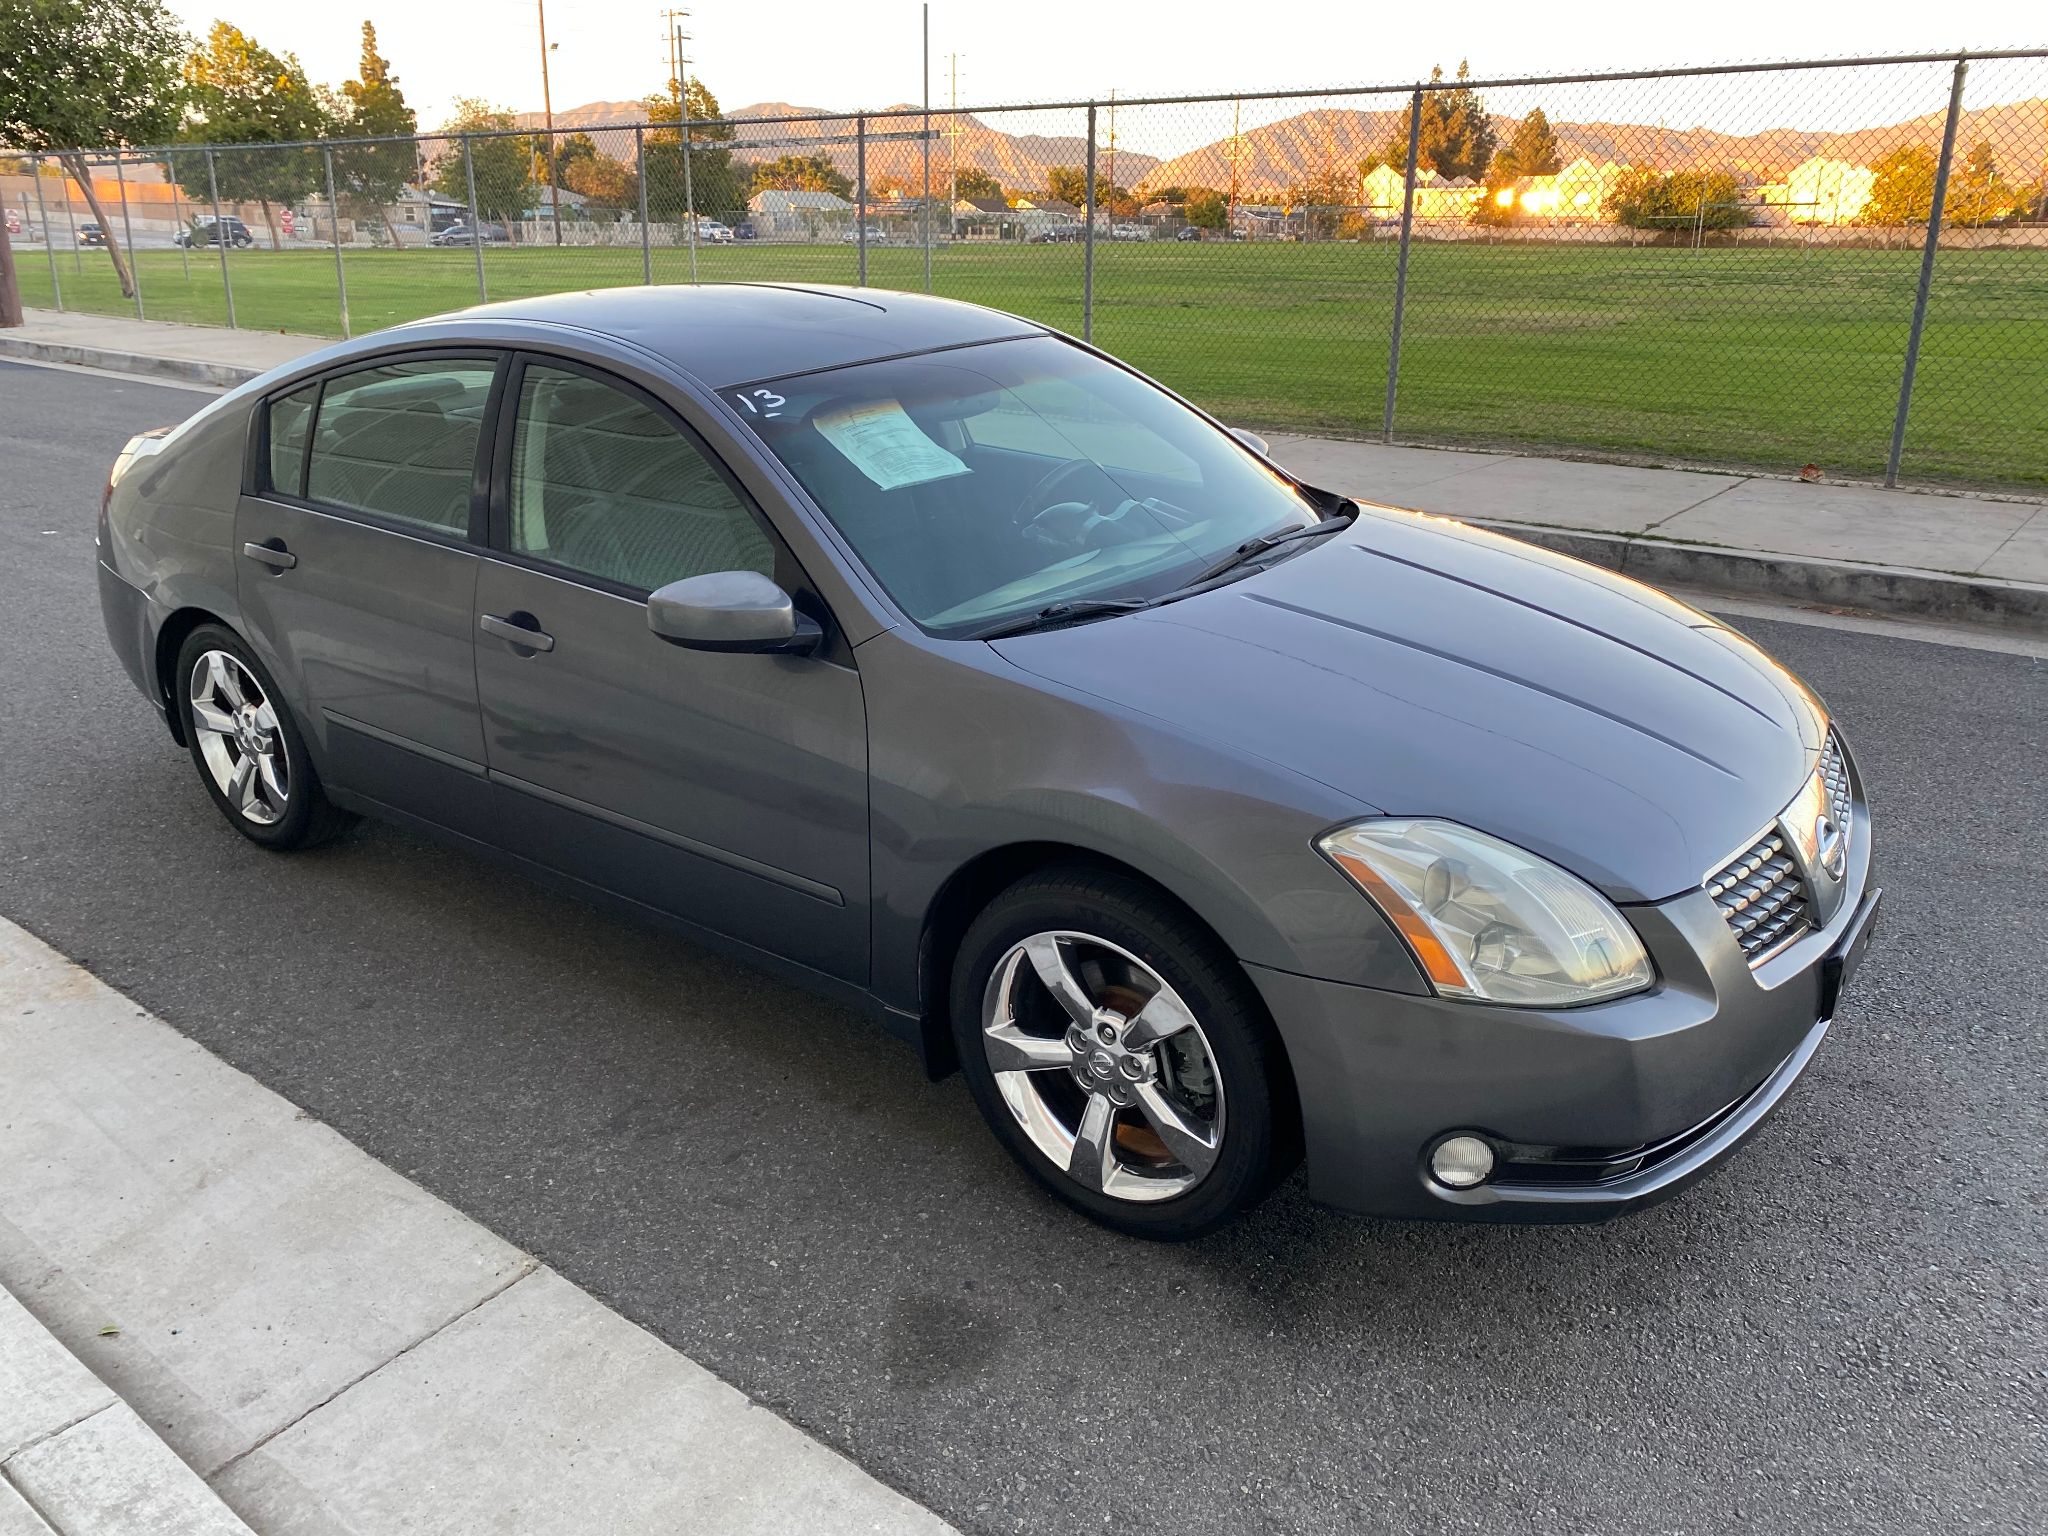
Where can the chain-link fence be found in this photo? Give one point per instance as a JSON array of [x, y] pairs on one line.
[[1649, 266]]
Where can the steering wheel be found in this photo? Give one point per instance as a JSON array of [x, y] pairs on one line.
[[1040, 498]]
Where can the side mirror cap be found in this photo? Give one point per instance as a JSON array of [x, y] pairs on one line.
[[1253, 441], [739, 611]]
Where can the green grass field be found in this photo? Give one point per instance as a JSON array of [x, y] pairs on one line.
[[1754, 356]]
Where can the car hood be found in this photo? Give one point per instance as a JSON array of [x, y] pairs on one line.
[[1428, 668]]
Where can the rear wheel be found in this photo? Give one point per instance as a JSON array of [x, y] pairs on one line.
[[247, 746], [1120, 1054]]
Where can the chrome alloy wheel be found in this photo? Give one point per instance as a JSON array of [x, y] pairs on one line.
[[239, 737], [1104, 1066]]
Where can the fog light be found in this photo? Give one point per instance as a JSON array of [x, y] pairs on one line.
[[1460, 1162]]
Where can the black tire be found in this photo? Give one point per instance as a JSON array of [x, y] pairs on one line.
[[308, 819], [1261, 1137]]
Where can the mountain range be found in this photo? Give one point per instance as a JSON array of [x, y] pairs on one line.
[[1275, 156]]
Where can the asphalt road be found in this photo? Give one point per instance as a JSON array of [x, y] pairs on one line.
[[1840, 1331]]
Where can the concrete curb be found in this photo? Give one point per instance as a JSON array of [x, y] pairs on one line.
[[185, 370], [1982, 600], [77, 1461]]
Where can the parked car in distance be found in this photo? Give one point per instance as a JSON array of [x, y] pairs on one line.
[[744, 231], [204, 229], [876, 236], [90, 233], [712, 232], [1191, 233], [1129, 232], [1203, 817], [1056, 234], [462, 234]]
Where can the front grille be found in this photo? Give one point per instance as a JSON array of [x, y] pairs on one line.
[[1762, 896]]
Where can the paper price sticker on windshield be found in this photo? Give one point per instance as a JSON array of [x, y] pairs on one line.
[[884, 444]]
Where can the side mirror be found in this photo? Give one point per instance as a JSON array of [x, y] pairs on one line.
[[731, 611], [1253, 441]]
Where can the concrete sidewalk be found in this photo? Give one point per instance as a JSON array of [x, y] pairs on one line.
[[199, 1268], [1971, 559]]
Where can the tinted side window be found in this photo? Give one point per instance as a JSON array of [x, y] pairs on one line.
[[400, 440], [603, 484], [291, 418]]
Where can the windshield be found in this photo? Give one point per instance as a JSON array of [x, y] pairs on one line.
[[992, 482]]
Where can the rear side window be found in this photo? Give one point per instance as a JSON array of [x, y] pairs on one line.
[[400, 440], [291, 420]]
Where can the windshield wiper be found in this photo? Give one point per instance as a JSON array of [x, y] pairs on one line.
[[1251, 549], [1063, 613]]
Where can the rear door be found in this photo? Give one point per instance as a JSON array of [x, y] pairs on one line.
[[357, 574], [729, 790]]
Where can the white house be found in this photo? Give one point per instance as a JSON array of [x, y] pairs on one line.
[[1824, 191], [778, 215]]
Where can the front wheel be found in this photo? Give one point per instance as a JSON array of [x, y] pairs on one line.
[[1120, 1054]]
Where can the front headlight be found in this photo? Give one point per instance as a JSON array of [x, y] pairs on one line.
[[1487, 920]]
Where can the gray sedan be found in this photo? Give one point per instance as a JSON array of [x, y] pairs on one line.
[[1205, 820]]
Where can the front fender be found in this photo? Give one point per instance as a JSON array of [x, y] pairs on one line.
[[969, 755]]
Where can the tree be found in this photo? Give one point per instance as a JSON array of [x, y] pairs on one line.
[[372, 176], [1206, 208], [1457, 136], [79, 75], [1678, 202], [502, 166], [1069, 183], [973, 181], [801, 173], [1324, 201], [594, 175], [1977, 193], [239, 92], [718, 187], [1901, 187], [1533, 151]]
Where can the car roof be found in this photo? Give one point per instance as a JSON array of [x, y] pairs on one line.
[[734, 333]]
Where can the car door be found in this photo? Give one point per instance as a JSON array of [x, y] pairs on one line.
[[357, 569], [729, 790]]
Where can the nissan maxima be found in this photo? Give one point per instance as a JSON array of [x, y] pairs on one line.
[[1205, 820]]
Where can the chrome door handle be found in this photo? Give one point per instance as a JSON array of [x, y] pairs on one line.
[[272, 553], [527, 636]]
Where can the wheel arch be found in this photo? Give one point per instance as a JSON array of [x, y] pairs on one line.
[[966, 893], [170, 639]]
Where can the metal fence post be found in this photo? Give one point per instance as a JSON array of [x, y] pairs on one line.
[[1927, 252], [1088, 238], [49, 245], [220, 237], [476, 225], [178, 218], [71, 218], [689, 191], [1401, 265], [860, 191], [334, 229], [128, 236], [640, 175]]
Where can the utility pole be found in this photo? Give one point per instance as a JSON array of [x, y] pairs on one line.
[[683, 114], [547, 104], [1109, 175], [953, 133], [1236, 155], [925, 147]]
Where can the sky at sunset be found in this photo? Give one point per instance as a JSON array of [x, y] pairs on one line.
[[831, 53]]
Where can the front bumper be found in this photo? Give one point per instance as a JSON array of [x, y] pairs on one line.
[[1593, 1111]]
